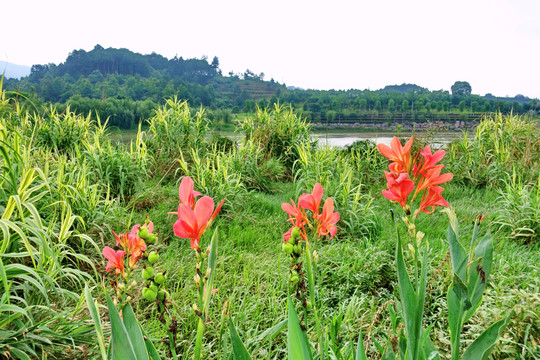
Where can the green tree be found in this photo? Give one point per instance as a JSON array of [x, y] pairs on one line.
[[461, 88], [405, 106]]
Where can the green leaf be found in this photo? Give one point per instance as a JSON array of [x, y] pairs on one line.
[[239, 350], [479, 272], [94, 313], [457, 252], [460, 290], [150, 346], [212, 266], [271, 333], [121, 346], [298, 347], [134, 332], [408, 299], [360, 351], [483, 345]]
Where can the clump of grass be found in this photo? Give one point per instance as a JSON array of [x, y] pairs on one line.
[[278, 132], [502, 142], [519, 215]]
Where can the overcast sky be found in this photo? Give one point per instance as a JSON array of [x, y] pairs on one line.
[[492, 44]]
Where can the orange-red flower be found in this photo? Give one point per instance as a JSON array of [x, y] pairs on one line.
[[399, 155], [133, 245], [429, 161], [296, 215], [116, 259], [312, 201], [399, 187], [186, 192], [433, 177], [328, 219], [192, 223], [433, 198]]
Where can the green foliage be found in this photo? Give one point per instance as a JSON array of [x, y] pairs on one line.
[[339, 176], [173, 131], [502, 142], [519, 214], [278, 133], [62, 131]]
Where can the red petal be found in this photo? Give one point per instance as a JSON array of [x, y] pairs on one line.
[[203, 210]]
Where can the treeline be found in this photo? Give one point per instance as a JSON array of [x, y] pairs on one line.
[[126, 87]]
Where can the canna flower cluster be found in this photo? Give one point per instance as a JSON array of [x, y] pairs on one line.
[[133, 245], [194, 216], [410, 177], [323, 223]]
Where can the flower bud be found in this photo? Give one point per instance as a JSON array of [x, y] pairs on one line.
[[159, 278], [149, 294], [315, 256], [208, 271], [197, 279], [148, 273], [419, 238], [121, 287], [295, 233], [153, 257], [411, 249]]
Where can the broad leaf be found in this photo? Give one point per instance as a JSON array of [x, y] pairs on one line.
[[298, 347], [94, 313], [483, 345], [121, 346], [239, 350], [134, 331]]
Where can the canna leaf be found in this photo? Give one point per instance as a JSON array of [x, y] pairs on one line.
[[94, 313], [460, 290], [408, 298], [360, 351], [121, 346], [484, 344], [479, 272], [239, 350], [134, 332], [298, 346], [457, 251]]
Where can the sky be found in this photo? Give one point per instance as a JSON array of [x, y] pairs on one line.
[[339, 44]]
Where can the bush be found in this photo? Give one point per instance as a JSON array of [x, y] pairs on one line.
[[502, 142]]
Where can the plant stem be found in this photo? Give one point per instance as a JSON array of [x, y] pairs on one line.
[[172, 345], [198, 341], [311, 284]]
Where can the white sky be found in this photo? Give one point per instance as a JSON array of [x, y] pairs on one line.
[[339, 44]]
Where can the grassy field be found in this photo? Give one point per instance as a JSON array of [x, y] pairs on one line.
[[66, 183]]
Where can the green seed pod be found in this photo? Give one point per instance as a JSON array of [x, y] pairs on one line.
[[288, 248], [297, 249], [148, 294], [153, 257], [159, 279], [294, 280], [295, 232], [148, 273], [161, 294], [292, 241], [143, 232], [151, 238], [308, 306], [154, 288]]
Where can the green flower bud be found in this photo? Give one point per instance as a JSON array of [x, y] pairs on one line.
[[143, 232], [153, 257], [148, 273], [149, 295], [295, 232], [288, 248], [159, 279]]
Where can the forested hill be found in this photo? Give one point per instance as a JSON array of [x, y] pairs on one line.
[[126, 87]]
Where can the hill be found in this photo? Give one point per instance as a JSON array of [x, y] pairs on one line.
[[14, 71]]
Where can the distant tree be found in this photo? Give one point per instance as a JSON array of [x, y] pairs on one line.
[[391, 105], [462, 105], [461, 88], [474, 106], [487, 106], [405, 106], [378, 105]]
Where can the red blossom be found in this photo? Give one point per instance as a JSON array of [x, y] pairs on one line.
[[328, 219], [399, 187], [116, 259], [186, 192], [433, 198], [399, 155], [312, 201]]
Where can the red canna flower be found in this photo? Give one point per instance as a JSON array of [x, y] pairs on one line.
[[312, 201], [399, 187], [192, 223], [133, 245], [432, 199], [328, 219], [429, 161], [116, 259], [186, 192], [399, 155], [296, 215], [433, 177]]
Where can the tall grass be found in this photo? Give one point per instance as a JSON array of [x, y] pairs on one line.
[[501, 142], [278, 132]]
